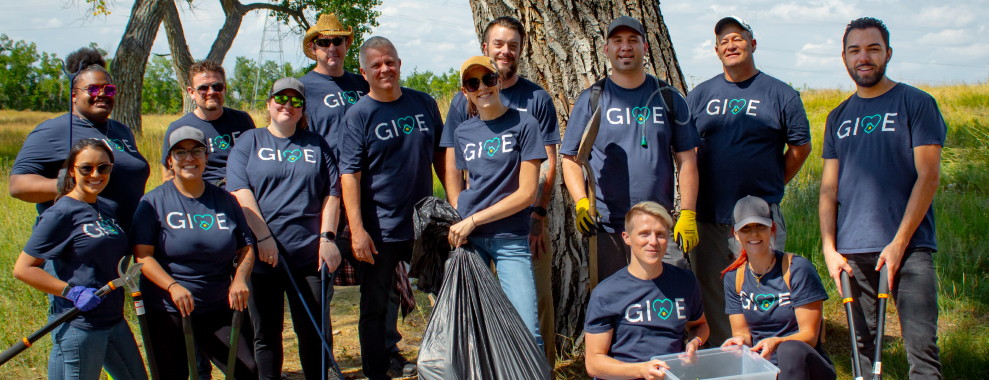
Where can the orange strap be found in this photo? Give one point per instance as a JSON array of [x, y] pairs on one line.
[[740, 273]]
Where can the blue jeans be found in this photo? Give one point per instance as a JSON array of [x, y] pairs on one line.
[[81, 354], [514, 264]]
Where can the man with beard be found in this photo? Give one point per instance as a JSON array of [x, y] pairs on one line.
[[220, 124], [503, 42], [754, 138], [882, 163], [633, 157], [390, 139]]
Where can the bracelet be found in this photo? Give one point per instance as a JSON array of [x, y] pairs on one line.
[[169, 287], [472, 221], [265, 238], [66, 289], [699, 340]]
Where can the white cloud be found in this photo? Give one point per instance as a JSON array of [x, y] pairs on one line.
[[704, 51], [816, 10], [952, 37], [825, 55], [944, 16]]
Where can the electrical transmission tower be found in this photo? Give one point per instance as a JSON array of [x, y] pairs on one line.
[[271, 43]]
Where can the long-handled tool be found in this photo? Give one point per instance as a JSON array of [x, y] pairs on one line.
[[883, 295], [133, 272], [847, 299], [324, 271], [583, 158], [238, 316], [190, 347], [133, 285], [326, 346]]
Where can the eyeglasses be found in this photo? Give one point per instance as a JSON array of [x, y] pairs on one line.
[[181, 154], [326, 42], [95, 89], [216, 86], [86, 170], [489, 79], [297, 102]]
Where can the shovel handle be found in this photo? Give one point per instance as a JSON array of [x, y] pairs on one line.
[[884, 282], [846, 288]]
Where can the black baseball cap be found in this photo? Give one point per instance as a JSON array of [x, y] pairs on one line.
[[731, 20], [627, 22]]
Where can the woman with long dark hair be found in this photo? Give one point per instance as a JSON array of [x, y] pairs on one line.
[[81, 236], [196, 248], [34, 177], [285, 178], [774, 299]]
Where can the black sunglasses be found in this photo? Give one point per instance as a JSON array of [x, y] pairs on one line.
[[86, 170], [216, 86], [297, 102], [95, 89], [489, 79], [326, 42]]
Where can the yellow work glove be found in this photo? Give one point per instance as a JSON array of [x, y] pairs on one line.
[[585, 222], [685, 231]]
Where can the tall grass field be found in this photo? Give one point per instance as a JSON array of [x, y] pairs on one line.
[[961, 208]]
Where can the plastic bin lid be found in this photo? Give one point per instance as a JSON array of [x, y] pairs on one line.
[[734, 362]]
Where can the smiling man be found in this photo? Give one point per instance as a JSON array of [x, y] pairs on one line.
[[754, 138], [389, 142], [632, 158], [220, 124], [882, 165]]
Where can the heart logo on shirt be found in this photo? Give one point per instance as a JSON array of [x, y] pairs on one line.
[[491, 146], [407, 123], [640, 114], [765, 301], [351, 96], [110, 228], [664, 309], [292, 155], [872, 122], [736, 105], [116, 144], [222, 141], [203, 221]]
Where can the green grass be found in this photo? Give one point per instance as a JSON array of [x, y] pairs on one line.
[[961, 207]]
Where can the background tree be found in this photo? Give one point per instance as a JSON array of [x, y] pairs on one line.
[[439, 86], [247, 89], [563, 54], [131, 59], [161, 93]]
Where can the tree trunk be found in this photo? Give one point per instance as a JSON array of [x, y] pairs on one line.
[[181, 57], [131, 60], [564, 55]]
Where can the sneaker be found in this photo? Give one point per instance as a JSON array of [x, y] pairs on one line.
[[401, 367]]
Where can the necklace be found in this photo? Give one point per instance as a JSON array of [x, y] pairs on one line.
[[758, 277]]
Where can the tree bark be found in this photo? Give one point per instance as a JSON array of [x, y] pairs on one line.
[[563, 53], [131, 60], [181, 57]]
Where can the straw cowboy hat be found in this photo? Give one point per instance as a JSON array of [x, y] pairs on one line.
[[327, 25]]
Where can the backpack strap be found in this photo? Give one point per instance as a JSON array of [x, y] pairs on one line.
[[596, 90], [739, 278], [787, 260]]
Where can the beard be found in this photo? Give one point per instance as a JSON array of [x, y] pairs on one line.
[[510, 71], [868, 80], [210, 105]]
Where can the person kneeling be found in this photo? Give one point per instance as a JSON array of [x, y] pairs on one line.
[[644, 310]]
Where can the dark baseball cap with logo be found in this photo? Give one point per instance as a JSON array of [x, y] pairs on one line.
[[626, 22], [731, 20]]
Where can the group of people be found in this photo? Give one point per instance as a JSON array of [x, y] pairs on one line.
[[246, 216]]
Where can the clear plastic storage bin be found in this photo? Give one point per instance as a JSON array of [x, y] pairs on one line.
[[729, 363]]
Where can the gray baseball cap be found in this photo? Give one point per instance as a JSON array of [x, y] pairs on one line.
[[185, 133], [750, 210], [288, 83], [627, 22], [731, 20]]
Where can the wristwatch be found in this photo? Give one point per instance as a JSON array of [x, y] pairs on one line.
[[539, 211], [328, 235]]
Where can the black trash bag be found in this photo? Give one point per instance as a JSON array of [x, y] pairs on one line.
[[474, 332], [432, 218]]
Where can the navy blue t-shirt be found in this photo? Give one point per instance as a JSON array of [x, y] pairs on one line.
[[290, 178], [492, 153], [524, 96], [46, 148], [221, 134], [628, 172], [873, 141], [744, 129], [327, 99], [84, 249], [768, 304], [196, 242], [649, 317], [392, 145]]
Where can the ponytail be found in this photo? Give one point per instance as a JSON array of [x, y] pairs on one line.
[[743, 258]]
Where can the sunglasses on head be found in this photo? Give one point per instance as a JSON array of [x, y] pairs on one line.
[[326, 42], [95, 89], [86, 170], [489, 79], [216, 86], [297, 102]]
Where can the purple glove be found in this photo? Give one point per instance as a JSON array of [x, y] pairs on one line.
[[84, 298]]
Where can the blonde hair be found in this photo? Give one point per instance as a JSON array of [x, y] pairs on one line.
[[649, 208]]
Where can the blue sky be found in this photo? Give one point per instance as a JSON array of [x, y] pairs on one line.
[[798, 41]]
